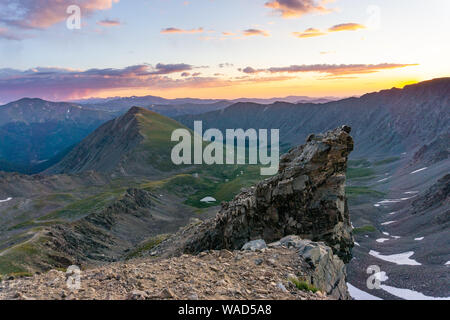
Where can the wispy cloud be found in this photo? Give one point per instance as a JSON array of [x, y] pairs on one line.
[[346, 27], [309, 33], [329, 69], [41, 14], [172, 30], [109, 23], [313, 32], [255, 32], [297, 8]]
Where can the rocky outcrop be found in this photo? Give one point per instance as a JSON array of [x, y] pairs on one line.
[[327, 271], [306, 198]]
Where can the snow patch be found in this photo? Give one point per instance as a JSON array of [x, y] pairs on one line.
[[358, 294], [208, 200], [7, 199], [387, 222], [382, 276], [419, 170], [419, 239], [386, 233], [400, 258], [381, 240], [408, 294]]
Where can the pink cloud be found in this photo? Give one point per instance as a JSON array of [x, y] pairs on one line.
[[41, 14], [255, 32], [297, 8], [60, 84], [346, 27]]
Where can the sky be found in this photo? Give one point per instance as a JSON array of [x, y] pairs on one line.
[[220, 49]]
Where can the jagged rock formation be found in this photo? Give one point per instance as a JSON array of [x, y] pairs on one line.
[[327, 272], [306, 198]]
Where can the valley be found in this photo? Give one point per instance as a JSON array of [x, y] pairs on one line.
[[116, 195]]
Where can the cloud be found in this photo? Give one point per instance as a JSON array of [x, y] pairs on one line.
[[59, 84], [226, 65], [309, 33], [109, 23], [171, 30], [312, 32], [41, 14], [297, 8], [8, 35], [346, 27], [255, 32], [171, 68], [63, 83], [329, 69]]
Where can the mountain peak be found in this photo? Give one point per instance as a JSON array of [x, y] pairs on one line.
[[136, 143], [136, 110]]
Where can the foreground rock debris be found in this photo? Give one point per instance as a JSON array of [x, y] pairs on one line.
[[269, 273]]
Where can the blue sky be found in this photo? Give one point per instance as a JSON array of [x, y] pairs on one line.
[[380, 44]]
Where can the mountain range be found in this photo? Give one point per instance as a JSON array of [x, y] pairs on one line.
[[119, 178]]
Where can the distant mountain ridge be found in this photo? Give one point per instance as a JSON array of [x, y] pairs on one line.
[[33, 131], [384, 123], [185, 105]]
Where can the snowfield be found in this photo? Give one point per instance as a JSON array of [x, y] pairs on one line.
[[358, 294], [399, 258], [408, 294]]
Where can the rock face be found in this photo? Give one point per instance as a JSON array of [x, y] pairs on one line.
[[437, 197], [306, 198], [328, 272]]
